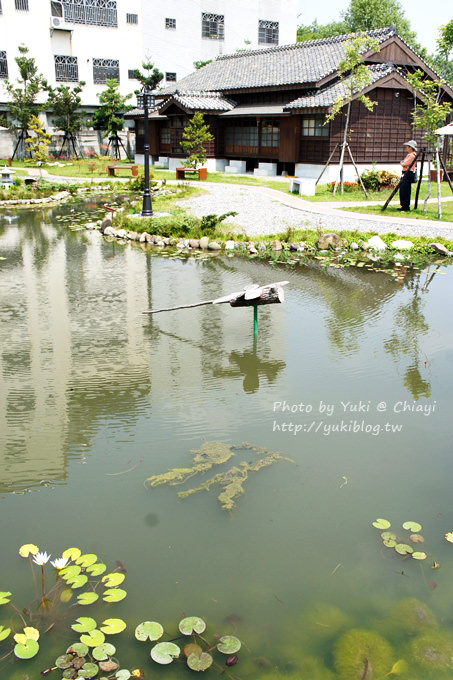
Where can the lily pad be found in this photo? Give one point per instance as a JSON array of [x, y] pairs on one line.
[[149, 629], [389, 542], [417, 538], [192, 648], [88, 670], [79, 648], [31, 633], [382, 523], [66, 595], [112, 626], [70, 572], [72, 553], [199, 662], [4, 596], [84, 625], [112, 580], [87, 598], [78, 581], [64, 661], [403, 548], [165, 652], [4, 632], [104, 651], [93, 638], [229, 644], [96, 569], [114, 595], [449, 537], [87, 560], [28, 549], [26, 650], [419, 555], [388, 534], [109, 665], [123, 674], [191, 624], [415, 527]]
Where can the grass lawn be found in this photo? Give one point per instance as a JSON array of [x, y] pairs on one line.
[[391, 211]]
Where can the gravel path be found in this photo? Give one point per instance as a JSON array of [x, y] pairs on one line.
[[263, 211]]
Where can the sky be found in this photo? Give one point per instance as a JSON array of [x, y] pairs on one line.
[[425, 17]]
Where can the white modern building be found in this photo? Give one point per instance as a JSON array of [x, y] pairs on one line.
[[93, 40]]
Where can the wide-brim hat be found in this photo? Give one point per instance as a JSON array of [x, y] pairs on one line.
[[412, 143]]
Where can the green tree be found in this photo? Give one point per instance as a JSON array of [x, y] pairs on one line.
[[64, 103], [194, 138], [109, 117], [441, 61], [151, 78], [22, 101], [38, 145], [428, 118], [366, 15], [355, 76], [316, 31]]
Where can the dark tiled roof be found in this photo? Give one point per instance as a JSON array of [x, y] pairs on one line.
[[329, 95], [202, 101], [305, 62]]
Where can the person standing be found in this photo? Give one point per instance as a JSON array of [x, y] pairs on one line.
[[409, 168]]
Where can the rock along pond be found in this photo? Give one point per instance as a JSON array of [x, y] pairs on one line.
[[349, 381]]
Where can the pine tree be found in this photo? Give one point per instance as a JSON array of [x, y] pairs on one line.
[[194, 138], [64, 103], [109, 116]]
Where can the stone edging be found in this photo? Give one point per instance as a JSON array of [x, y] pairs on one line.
[[60, 196]]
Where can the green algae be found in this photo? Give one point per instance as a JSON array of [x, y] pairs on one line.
[[362, 655], [411, 616], [231, 481], [433, 650]]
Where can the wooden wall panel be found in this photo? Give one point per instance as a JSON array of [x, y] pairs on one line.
[[290, 128]]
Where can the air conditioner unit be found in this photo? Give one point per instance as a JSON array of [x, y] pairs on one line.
[[59, 23]]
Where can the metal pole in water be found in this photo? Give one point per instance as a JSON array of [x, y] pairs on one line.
[[255, 320]]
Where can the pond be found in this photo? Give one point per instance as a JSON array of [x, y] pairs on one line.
[[349, 381]]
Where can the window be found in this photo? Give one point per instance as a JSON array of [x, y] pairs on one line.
[[131, 74], [56, 9], [170, 23], [238, 136], [270, 133], [212, 26], [95, 12], [268, 32], [105, 69], [132, 18], [313, 126], [170, 77], [164, 135], [66, 69], [22, 5], [3, 65]]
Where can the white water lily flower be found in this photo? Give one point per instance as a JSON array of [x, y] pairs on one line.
[[60, 562], [41, 558]]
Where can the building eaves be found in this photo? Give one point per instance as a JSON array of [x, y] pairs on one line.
[[327, 96]]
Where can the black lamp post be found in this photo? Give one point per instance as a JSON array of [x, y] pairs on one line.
[[145, 100]]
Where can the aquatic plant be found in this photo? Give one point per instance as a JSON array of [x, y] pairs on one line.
[[362, 655], [231, 481], [411, 616], [198, 653], [390, 538], [73, 571], [433, 650]]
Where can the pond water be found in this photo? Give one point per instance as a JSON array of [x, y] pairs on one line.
[[350, 379]]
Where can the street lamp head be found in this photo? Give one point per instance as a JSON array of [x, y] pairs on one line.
[[146, 99]]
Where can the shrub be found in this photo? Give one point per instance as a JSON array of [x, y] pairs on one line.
[[371, 180]]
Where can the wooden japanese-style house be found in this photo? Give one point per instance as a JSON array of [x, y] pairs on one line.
[[269, 106]]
